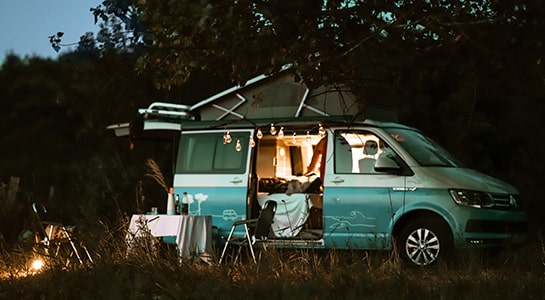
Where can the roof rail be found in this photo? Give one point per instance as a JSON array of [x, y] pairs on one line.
[[164, 109]]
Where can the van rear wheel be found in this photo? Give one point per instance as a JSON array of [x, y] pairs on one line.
[[423, 242]]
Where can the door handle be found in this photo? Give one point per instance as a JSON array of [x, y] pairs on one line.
[[337, 180], [236, 180]]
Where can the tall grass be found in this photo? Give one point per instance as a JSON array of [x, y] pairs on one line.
[[156, 174], [152, 271]]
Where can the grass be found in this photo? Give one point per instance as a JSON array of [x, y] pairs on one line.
[[152, 272]]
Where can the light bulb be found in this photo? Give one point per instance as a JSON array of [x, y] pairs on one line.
[[259, 133], [281, 132], [238, 146], [252, 142], [309, 138], [294, 138], [227, 138], [321, 130], [273, 130]]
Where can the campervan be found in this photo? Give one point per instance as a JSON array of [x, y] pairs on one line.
[[368, 185]]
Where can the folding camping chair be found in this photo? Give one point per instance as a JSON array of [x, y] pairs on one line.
[[254, 230], [56, 239]]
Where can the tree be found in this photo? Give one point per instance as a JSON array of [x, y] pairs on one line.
[[356, 43]]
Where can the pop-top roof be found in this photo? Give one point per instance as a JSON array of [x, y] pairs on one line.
[[261, 99]]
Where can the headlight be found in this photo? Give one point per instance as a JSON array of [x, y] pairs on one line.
[[472, 198]]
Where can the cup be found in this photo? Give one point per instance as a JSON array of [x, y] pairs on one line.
[[154, 211]]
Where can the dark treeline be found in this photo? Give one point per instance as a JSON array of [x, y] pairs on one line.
[[54, 138]]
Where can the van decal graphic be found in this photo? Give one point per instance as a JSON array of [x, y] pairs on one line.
[[356, 219], [200, 197], [230, 215]]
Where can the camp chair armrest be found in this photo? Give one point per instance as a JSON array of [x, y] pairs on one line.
[[242, 222]]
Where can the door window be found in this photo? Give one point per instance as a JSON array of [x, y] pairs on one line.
[[356, 151], [208, 153]]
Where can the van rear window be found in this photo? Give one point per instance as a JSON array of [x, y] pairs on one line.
[[206, 153]]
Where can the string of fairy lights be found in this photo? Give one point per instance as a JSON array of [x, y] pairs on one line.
[[228, 139]]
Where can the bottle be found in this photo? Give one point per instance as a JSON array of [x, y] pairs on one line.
[[170, 202], [185, 204], [177, 204]]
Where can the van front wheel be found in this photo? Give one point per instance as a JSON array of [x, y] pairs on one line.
[[422, 242]]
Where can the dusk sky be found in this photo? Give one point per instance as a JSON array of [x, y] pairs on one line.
[[26, 24]]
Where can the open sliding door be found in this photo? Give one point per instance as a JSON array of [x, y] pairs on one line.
[[213, 168]]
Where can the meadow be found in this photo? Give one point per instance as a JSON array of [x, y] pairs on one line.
[[153, 271]]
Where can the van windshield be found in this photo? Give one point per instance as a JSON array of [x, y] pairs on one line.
[[424, 150]]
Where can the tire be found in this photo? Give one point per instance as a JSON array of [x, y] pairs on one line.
[[424, 242]]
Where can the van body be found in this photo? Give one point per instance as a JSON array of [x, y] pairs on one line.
[[377, 185]]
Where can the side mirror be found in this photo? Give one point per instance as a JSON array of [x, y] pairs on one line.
[[387, 165]]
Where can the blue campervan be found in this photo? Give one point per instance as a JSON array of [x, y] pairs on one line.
[[339, 179]]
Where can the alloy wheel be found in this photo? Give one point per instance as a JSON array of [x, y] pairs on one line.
[[422, 246]]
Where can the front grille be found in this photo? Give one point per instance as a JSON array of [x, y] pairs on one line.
[[506, 201], [487, 226]]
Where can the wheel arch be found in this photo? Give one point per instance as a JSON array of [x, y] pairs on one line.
[[422, 214]]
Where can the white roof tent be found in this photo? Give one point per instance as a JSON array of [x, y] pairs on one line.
[[262, 100]]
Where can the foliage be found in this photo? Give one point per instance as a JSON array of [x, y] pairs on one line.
[[362, 44], [54, 138]]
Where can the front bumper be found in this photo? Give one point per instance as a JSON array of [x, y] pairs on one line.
[[484, 233]]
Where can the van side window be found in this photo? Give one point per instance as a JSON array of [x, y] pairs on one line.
[[356, 151], [206, 153]]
